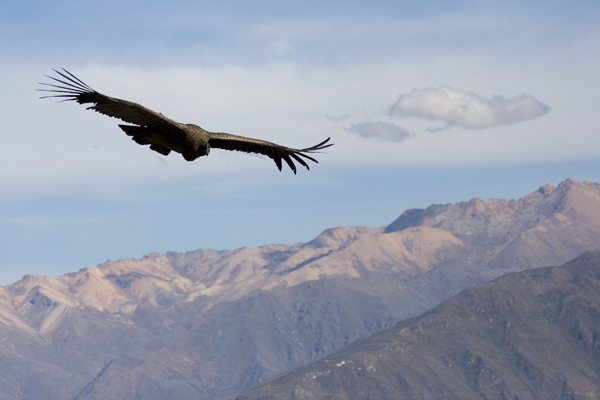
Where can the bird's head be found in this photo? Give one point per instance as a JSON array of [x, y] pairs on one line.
[[203, 149]]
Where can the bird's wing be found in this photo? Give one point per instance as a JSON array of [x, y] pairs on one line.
[[274, 151], [72, 88]]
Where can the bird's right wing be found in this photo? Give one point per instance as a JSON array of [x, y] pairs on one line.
[[274, 151], [72, 88]]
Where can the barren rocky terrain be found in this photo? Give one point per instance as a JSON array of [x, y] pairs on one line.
[[213, 324], [528, 335]]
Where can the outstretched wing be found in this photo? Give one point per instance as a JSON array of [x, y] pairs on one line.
[[274, 151], [71, 88]]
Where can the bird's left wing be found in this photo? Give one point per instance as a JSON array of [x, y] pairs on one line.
[[72, 88], [274, 151]]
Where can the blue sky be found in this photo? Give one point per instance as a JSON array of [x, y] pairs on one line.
[[426, 102]]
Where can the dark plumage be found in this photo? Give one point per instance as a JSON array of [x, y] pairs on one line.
[[165, 135]]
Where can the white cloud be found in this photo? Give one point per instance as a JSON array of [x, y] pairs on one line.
[[467, 109], [380, 130]]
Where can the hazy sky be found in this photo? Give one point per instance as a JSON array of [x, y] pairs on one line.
[[426, 102]]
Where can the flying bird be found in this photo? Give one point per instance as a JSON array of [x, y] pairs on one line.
[[165, 135]]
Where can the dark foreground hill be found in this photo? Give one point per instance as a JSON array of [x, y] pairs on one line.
[[529, 335], [214, 324]]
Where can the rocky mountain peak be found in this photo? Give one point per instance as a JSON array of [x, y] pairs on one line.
[[215, 322], [548, 188]]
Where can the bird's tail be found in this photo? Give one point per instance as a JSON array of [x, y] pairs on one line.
[[139, 134]]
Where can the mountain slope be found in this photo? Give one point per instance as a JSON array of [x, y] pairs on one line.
[[210, 324], [528, 335]]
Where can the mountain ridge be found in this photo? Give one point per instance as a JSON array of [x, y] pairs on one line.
[[528, 335], [216, 323]]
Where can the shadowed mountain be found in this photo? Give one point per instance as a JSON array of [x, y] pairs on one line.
[[213, 324], [528, 335]]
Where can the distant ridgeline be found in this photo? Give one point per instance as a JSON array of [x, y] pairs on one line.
[[214, 324]]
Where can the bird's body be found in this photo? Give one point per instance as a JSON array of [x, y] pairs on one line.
[[164, 135], [189, 140]]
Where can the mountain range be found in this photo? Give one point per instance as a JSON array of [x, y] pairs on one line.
[[528, 335], [213, 324]]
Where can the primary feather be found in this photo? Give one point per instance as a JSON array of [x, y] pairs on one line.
[[164, 135]]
